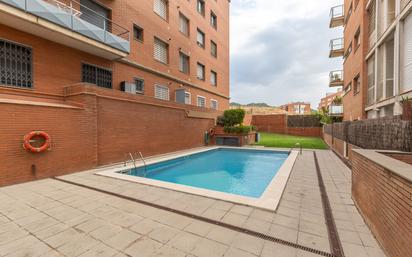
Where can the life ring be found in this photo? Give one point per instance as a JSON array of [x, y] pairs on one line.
[[28, 139], [211, 132]]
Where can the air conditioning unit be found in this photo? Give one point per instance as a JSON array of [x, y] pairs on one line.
[[128, 87]]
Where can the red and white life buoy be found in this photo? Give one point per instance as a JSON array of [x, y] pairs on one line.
[[29, 139], [211, 132]]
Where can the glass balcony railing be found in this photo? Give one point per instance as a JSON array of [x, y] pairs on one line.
[[337, 16], [79, 18], [336, 110], [336, 78], [336, 47]]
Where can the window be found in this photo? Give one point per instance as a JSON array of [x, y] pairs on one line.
[[349, 14], [201, 101], [184, 63], [371, 17], [213, 78], [201, 7], [213, 49], [371, 80], [356, 84], [139, 85], [200, 71], [161, 8], [349, 50], [347, 89], [213, 20], [162, 92], [357, 40], [137, 33], [184, 24], [213, 104], [95, 14], [15, 65], [161, 51], [188, 98], [406, 62], [96, 75], [200, 38]]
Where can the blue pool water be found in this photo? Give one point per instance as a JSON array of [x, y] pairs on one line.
[[235, 171]]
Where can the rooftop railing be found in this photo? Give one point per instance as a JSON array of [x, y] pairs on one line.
[[77, 17]]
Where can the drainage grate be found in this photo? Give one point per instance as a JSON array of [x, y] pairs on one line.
[[330, 222], [210, 221]]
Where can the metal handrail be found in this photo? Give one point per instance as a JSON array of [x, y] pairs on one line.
[[336, 44], [134, 162], [144, 163], [297, 145], [74, 8]]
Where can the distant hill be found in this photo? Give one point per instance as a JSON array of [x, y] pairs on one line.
[[234, 104], [258, 105]]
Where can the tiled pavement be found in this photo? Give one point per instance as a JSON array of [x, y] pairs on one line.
[[52, 218]]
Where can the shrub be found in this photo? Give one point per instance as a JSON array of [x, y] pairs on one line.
[[239, 129], [231, 118]]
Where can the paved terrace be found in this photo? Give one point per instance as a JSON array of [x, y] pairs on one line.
[[55, 218]]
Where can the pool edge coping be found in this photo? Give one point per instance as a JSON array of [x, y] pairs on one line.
[[269, 200]]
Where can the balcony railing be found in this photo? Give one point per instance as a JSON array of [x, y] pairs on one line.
[[335, 110], [337, 16], [336, 47], [336, 78], [79, 18]]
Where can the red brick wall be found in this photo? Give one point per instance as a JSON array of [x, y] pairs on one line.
[[270, 123], [73, 133], [328, 139], [278, 123], [306, 132], [404, 157], [110, 124], [385, 201], [338, 146]]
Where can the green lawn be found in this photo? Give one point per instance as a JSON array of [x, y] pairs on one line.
[[287, 141]]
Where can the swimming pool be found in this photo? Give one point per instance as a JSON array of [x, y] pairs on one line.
[[249, 176], [240, 172]]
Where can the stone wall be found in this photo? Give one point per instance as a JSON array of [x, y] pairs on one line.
[[391, 133]]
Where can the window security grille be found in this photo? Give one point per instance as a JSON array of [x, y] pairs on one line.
[[15, 65], [95, 75]]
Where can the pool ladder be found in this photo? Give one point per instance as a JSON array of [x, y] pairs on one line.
[[298, 146], [133, 159]]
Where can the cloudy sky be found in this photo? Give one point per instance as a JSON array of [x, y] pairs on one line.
[[279, 50]]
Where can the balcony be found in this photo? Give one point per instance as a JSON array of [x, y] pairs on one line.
[[68, 23], [336, 48], [336, 78], [336, 110], [337, 16]]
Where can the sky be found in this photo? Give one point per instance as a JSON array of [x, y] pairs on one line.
[[279, 50]]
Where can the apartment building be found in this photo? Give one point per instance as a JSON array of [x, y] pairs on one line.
[[297, 108], [332, 103], [157, 48], [108, 77], [376, 50]]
